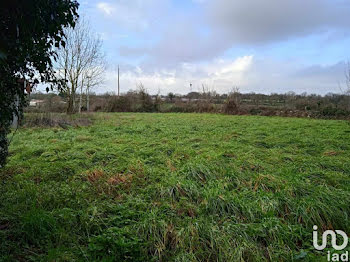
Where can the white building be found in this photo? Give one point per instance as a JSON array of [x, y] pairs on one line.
[[35, 102]]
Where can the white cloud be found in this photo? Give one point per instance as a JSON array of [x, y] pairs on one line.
[[249, 73], [241, 64], [106, 8], [221, 75]]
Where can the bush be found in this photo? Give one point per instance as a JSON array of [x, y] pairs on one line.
[[119, 104], [255, 111], [230, 107], [334, 112], [145, 103], [182, 107], [205, 106]]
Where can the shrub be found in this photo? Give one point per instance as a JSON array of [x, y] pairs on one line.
[[334, 112], [119, 104], [205, 106], [230, 107], [255, 111]]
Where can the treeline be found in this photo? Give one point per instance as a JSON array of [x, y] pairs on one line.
[[289, 104]]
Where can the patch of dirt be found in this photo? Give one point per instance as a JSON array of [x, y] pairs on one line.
[[170, 165], [330, 153], [95, 175], [120, 179]]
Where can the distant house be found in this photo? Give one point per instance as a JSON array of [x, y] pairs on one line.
[[35, 102]]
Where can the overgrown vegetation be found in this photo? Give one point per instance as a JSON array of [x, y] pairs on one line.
[[330, 106], [56, 120], [174, 187]]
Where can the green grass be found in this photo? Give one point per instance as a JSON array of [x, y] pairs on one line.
[[175, 187]]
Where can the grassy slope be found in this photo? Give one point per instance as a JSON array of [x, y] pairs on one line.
[[184, 187]]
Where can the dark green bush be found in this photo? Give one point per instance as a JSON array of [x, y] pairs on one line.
[[334, 112]]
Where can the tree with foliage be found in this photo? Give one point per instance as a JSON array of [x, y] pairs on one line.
[[29, 32], [171, 97]]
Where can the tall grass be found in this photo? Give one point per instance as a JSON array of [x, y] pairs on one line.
[[174, 187]]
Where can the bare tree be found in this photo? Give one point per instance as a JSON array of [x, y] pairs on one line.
[[81, 62], [232, 102], [235, 95], [208, 93]]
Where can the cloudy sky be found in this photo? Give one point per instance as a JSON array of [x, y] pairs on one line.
[[258, 45]]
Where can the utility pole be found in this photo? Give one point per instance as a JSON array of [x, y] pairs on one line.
[[118, 83]]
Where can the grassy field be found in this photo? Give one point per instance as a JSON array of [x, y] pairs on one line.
[[175, 187]]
